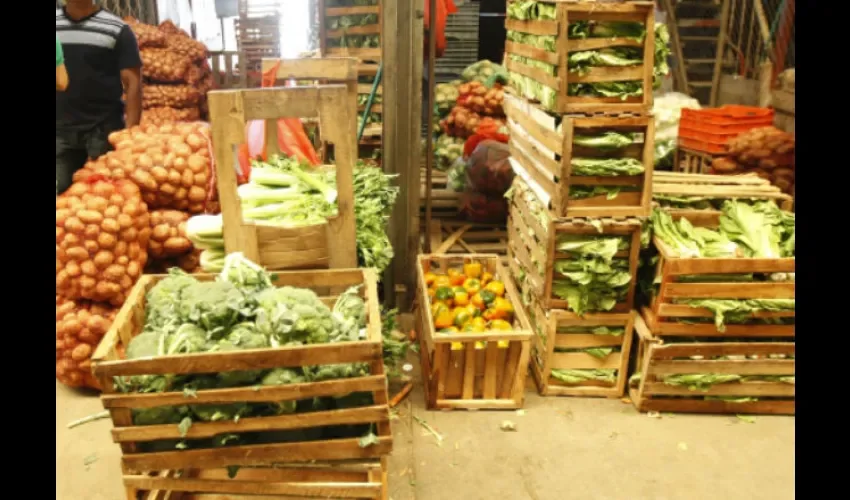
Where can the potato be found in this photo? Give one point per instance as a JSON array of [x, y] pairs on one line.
[[87, 261]]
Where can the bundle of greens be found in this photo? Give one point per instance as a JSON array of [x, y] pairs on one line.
[[343, 22], [593, 279], [596, 352], [580, 61], [395, 343], [578, 377], [759, 230], [240, 310], [355, 42], [747, 230], [608, 142], [738, 311], [606, 166], [283, 192]]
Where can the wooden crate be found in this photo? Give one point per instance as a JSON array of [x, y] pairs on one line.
[[325, 33], [106, 364], [549, 326], [664, 317], [458, 237], [689, 161], [655, 357], [718, 187], [542, 154], [331, 244], [445, 201], [321, 480], [531, 247], [568, 12], [227, 70], [458, 371]]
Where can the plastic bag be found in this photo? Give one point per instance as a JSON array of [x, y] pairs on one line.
[[488, 170], [484, 209], [292, 139]]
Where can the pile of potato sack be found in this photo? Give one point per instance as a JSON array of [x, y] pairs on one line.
[[125, 215], [765, 151], [176, 73]]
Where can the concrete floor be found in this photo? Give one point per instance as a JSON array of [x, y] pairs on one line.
[[563, 448]]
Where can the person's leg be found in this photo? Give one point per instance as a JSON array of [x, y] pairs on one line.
[[70, 157], [97, 141]]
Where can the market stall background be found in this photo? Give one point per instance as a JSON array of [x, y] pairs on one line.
[[161, 177]]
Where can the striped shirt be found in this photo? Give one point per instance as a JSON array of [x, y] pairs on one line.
[[96, 49]]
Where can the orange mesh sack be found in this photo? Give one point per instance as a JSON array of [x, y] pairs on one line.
[[168, 234], [172, 96], [80, 326], [171, 164], [102, 232], [163, 65]]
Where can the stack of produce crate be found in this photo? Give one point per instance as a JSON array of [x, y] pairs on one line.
[[716, 332], [352, 28], [584, 163]]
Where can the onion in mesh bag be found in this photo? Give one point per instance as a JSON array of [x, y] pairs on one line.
[[168, 234], [102, 232], [80, 326]]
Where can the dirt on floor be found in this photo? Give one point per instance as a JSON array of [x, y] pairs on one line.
[[561, 448]]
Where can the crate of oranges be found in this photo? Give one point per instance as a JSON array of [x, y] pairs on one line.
[[475, 339]]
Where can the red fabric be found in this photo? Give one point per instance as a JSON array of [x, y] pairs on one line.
[[444, 8]]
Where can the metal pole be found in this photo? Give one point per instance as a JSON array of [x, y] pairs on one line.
[[429, 137]]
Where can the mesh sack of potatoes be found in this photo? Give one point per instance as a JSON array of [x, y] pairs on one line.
[[185, 45], [170, 163], [146, 35], [172, 96], [80, 325], [169, 28], [163, 115], [102, 232], [168, 234], [163, 65]]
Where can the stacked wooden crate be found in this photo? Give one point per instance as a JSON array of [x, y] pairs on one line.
[[579, 349], [352, 28], [751, 359]]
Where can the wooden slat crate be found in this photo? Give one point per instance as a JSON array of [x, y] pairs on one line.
[[751, 358], [551, 337], [543, 154], [106, 364], [445, 201], [331, 244], [664, 317], [227, 70], [468, 370], [532, 242], [363, 480], [458, 237], [689, 161], [570, 12], [325, 33], [717, 187]]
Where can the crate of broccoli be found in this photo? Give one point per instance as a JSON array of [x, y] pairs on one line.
[[246, 369], [585, 56]]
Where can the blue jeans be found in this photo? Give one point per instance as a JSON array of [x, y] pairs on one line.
[[75, 147]]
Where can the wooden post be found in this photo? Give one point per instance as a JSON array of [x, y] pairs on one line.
[[765, 83], [401, 47], [721, 51]]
